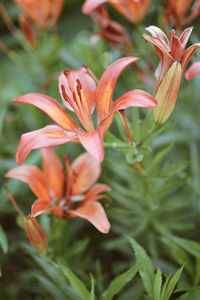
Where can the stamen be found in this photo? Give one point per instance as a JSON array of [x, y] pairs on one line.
[[91, 73], [67, 99], [127, 128]]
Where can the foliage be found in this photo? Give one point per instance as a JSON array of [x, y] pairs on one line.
[[153, 248]]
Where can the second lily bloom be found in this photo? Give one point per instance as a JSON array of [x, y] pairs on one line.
[[79, 94], [173, 62]]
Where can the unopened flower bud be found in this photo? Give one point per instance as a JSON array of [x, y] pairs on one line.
[[167, 94], [28, 31], [36, 234]]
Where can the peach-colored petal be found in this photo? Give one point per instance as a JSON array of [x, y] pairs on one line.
[[159, 44], [35, 179], [53, 171], [107, 83], [48, 136], [55, 9], [39, 207], [90, 5], [51, 107], [78, 89], [185, 36], [189, 52], [93, 143], [176, 48], [95, 190], [136, 98], [84, 172], [157, 33], [94, 213], [193, 70]]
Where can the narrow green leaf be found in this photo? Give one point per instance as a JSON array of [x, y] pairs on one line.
[[50, 287], [171, 285], [118, 283], [76, 283], [92, 292], [55, 273], [191, 247], [157, 285], [192, 294], [158, 158], [145, 266], [3, 240]]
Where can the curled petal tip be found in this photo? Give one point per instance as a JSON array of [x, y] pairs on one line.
[[192, 71]]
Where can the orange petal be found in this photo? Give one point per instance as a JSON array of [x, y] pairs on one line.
[[159, 44], [157, 33], [136, 98], [48, 136], [95, 190], [90, 5], [94, 213], [51, 107], [35, 179], [193, 70], [185, 36], [39, 207], [53, 171], [107, 83], [84, 172], [93, 143], [187, 55]]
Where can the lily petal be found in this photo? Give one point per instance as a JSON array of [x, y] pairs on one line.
[[137, 98], [132, 98], [85, 171], [193, 70], [94, 213], [185, 36], [107, 83], [48, 136], [90, 5], [189, 52], [156, 32], [95, 190], [39, 207], [35, 179], [93, 143], [51, 107], [53, 171]]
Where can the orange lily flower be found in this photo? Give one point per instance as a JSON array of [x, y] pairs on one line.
[[114, 32], [44, 13], [178, 12], [80, 199], [79, 94], [132, 10], [173, 62]]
